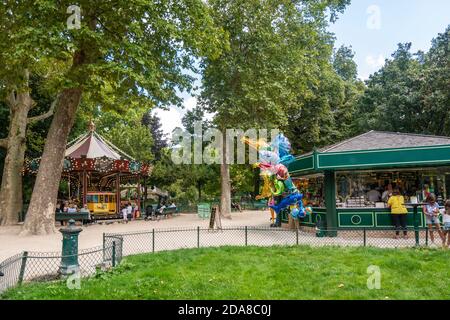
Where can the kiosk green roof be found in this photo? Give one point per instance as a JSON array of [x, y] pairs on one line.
[[375, 149]]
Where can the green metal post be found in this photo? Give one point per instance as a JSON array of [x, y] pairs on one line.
[[23, 266], [296, 236], [113, 253], [330, 203], [364, 235], [198, 236], [153, 240], [416, 226], [69, 260], [246, 240]]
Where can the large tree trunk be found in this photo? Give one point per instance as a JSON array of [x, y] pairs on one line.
[[225, 183], [40, 217], [11, 189]]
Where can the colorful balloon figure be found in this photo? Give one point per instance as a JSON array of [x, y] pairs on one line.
[[278, 186]]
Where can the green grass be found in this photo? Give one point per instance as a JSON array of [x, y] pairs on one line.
[[262, 273]]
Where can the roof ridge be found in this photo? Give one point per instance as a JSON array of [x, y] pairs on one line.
[[411, 134], [328, 148]]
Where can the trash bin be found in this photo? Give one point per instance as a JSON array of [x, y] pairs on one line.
[[203, 210]]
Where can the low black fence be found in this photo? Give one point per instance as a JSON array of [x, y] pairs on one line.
[[45, 266], [179, 238], [38, 266]]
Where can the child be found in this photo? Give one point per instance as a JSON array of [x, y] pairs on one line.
[[446, 221], [125, 214], [431, 211]]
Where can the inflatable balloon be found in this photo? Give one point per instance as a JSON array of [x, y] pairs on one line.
[[282, 146], [279, 188], [273, 159], [287, 201], [282, 172], [290, 185], [266, 191], [269, 157], [295, 212]]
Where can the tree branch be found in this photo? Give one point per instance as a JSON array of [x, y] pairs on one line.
[[43, 116], [4, 143]]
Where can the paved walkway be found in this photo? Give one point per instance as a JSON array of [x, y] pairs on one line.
[[11, 243], [168, 235]]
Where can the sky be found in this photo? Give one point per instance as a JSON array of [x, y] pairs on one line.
[[373, 28]]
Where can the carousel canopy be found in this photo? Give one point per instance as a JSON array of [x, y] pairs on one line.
[[93, 153], [92, 145]]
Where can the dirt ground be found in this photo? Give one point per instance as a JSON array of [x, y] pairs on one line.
[[11, 243]]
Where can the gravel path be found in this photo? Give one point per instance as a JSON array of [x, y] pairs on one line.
[[11, 243]]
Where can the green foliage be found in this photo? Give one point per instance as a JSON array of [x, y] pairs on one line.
[[153, 123], [261, 273], [130, 53], [127, 133], [411, 92], [275, 49], [344, 65]]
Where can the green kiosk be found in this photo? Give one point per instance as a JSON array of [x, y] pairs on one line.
[[348, 183]]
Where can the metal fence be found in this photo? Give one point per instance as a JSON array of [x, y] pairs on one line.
[[45, 266], [178, 238], [41, 266]]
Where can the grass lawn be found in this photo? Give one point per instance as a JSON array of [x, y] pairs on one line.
[[262, 273]]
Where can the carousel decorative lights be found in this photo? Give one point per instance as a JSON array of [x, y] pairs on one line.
[[92, 163]]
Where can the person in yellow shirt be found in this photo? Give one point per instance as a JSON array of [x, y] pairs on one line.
[[398, 213]]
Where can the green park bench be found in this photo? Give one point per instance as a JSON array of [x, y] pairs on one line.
[[260, 205], [77, 216], [168, 211]]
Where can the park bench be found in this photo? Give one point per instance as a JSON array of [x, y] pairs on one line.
[[155, 213], [260, 205], [168, 211], [77, 216]]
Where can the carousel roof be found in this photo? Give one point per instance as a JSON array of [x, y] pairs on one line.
[[92, 145], [91, 152]]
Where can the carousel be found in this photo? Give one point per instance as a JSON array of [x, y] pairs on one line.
[[96, 171]]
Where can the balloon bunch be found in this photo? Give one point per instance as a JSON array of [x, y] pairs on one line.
[[278, 187]]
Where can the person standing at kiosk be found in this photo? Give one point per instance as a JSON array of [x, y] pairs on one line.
[[431, 211], [398, 213]]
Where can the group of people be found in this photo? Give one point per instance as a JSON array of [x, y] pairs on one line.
[[150, 212], [129, 211], [374, 195], [70, 207], [431, 211]]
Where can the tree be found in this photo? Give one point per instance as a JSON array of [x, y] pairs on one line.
[[127, 133], [392, 100], [273, 47], [21, 64], [435, 90], [153, 123], [344, 65], [124, 51], [198, 174]]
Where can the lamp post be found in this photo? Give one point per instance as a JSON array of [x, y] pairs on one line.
[[69, 259]]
